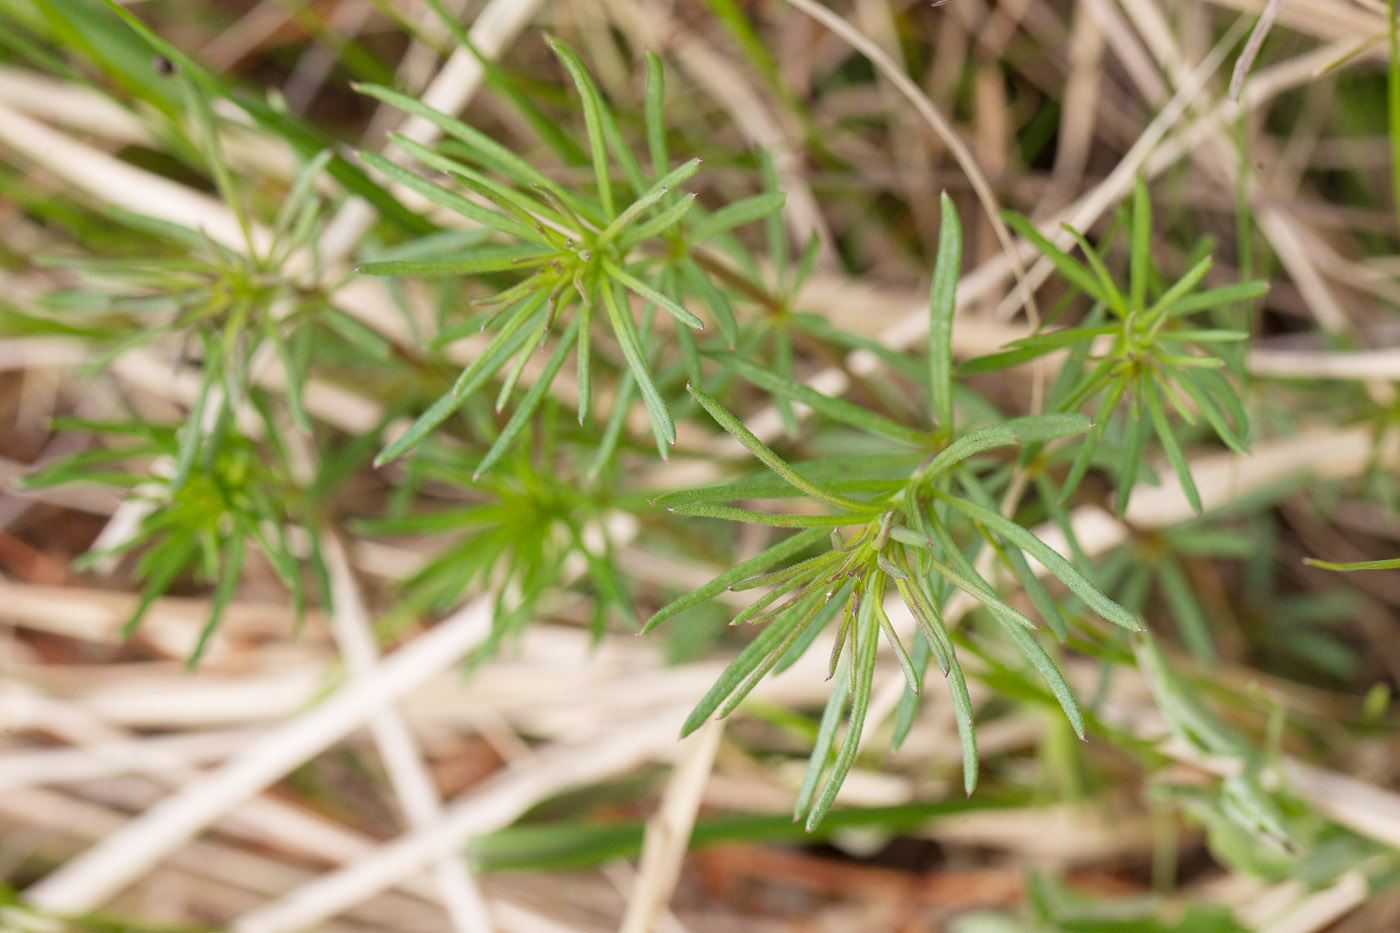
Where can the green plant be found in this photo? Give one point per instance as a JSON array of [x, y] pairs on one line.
[[910, 505], [550, 293], [201, 503], [1156, 359], [589, 250]]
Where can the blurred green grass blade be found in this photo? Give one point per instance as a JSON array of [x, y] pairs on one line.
[[135, 66], [653, 109], [1186, 609], [1136, 430], [1140, 245], [521, 101], [774, 224], [230, 574], [1163, 429], [1210, 410], [1392, 88], [715, 299]]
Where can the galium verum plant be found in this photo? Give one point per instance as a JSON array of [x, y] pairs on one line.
[[574, 255], [1139, 353], [917, 521]]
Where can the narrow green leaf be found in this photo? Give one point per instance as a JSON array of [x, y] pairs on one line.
[[497, 352], [1058, 339], [1141, 245], [523, 207], [774, 226], [715, 299], [773, 520], [1207, 406], [1049, 610], [1050, 674], [229, 576], [1204, 336], [765, 559], [1387, 564], [626, 331], [930, 622], [1217, 297], [665, 220], [1130, 463], [864, 682], [1180, 289], [583, 356], [302, 193], [655, 193], [739, 669], [736, 214], [1071, 270], [942, 303], [978, 589], [821, 747], [654, 103], [1048, 557], [1190, 617], [521, 416], [1153, 401], [808, 611], [448, 199], [1115, 301], [911, 676], [634, 284], [491, 153], [909, 703], [833, 408], [592, 117], [1011, 432], [478, 261], [775, 463]]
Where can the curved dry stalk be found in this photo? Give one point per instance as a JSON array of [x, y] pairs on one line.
[[926, 108]]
